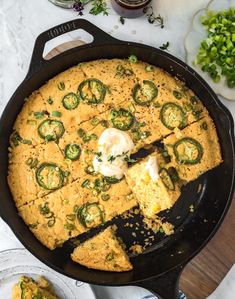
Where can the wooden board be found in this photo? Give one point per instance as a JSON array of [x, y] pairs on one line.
[[63, 47], [201, 277]]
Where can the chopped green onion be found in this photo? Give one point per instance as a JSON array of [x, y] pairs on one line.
[[216, 55], [38, 115], [56, 113], [105, 197], [61, 86], [85, 183], [132, 59], [149, 68], [50, 101]]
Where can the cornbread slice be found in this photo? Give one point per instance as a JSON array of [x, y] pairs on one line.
[[190, 162], [117, 76], [28, 288], [55, 91], [23, 168], [69, 81], [27, 122], [153, 195], [73, 210], [103, 252], [170, 90]]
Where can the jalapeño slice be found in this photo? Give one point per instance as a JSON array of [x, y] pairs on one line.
[[166, 179], [92, 91], [70, 101], [51, 129], [122, 119], [145, 93], [188, 151], [172, 116], [90, 215], [49, 176], [72, 152]]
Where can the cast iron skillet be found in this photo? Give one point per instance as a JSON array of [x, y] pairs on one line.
[[160, 267]]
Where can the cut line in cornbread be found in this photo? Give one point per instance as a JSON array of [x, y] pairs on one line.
[[54, 218]]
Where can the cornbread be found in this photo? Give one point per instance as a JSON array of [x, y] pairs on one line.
[[58, 216], [194, 150], [28, 288], [103, 252], [72, 143]]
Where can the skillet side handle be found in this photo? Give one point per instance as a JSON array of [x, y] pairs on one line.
[[164, 287], [99, 37]]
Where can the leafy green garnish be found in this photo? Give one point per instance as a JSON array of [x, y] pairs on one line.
[[216, 54], [152, 19], [165, 46], [98, 7], [122, 20]]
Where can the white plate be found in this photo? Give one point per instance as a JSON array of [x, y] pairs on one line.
[[17, 262], [192, 42]]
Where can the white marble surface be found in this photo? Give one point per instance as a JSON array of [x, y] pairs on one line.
[[22, 20]]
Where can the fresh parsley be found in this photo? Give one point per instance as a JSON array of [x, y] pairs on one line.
[[111, 158], [165, 46], [122, 20], [98, 7], [129, 159], [152, 19]]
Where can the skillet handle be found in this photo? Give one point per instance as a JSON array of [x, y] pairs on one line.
[[37, 60], [164, 287]]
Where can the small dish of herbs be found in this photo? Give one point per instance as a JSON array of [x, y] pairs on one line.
[[210, 46]]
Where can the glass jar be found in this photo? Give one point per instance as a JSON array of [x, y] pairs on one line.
[[63, 3], [130, 8]]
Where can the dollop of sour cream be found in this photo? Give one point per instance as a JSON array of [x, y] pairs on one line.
[[152, 168], [113, 147]]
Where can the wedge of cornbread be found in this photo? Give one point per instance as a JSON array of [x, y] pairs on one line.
[[103, 252]]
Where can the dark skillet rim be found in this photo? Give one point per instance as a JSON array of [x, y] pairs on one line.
[[221, 106]]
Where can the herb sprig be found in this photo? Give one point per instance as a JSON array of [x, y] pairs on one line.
[[122, 20], [165, 46], [98, 7], [152, 19]]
